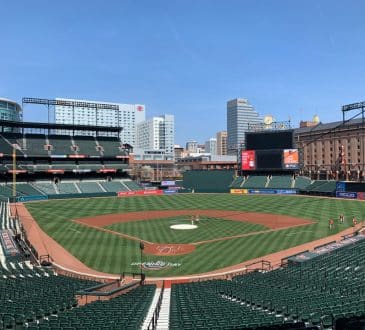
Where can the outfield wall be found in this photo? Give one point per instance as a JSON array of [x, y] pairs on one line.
[[214, 181]]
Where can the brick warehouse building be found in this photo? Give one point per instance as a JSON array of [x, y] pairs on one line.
[[333, 151]]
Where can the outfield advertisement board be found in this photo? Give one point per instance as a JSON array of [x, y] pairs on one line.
[[168, 183], [346, 194], [32, 198], [273, 191], [140, 193]]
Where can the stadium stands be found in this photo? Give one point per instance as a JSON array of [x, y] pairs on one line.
[[90, 187], [67, 188], [321, 187], [302, 182], [61, 144], [35, 145], [131, 185], [27, 189], [86, 145], [126, 311], [237, 182], [280, 182], [48, 188], [316, 292], [114, 186], [255, 182]]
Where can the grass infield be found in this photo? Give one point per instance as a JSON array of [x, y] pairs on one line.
[[113, 254]]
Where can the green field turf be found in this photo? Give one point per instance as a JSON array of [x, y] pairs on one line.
[[113, 254], [159, 231]]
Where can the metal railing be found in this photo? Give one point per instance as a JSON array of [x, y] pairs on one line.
[[153, 323]]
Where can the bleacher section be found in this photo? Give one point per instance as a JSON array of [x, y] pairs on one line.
[[47, 188], [237, 182], [7, 140], [316, 292], [86, 145], [61, 144], [39, 188], [302, 182], [110, 146], [27, 189], [89, 187], [280, 182], [131, 185], [321, 187], [67, 188], [255, 182], [126, 311], [35, 145], [113, 186]]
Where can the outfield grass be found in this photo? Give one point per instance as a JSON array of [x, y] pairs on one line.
[[159, 231], [113, 254]]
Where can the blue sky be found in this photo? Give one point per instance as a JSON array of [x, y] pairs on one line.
[[288, 58]]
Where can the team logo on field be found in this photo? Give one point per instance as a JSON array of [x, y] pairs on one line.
[[156, 265]]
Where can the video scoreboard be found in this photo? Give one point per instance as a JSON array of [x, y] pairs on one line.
[[270, 151]]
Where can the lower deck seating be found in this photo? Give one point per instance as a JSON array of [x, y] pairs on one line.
[[126, 311], [316, 292]]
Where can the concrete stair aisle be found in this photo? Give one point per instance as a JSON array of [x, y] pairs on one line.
[[164, 317], [151, 309]]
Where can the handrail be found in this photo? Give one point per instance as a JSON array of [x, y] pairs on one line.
[[153, 323]]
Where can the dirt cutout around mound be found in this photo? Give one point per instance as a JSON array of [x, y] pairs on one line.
[[269, 220]]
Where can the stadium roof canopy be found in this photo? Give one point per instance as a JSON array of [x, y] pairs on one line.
[[50, 126]]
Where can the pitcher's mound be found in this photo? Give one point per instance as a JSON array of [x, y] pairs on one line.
[[183, 227]]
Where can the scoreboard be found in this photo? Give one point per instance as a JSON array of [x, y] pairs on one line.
[[270, 151]]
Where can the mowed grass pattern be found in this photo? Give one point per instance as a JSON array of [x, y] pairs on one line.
[[113, 254], [159, 231]]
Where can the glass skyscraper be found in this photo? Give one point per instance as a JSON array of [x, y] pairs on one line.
[[240, 115]]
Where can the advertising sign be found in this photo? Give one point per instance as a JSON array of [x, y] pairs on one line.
[[248, 160], [291, 158], [346, 194], [167, 183], [140, 193], [236, 191]]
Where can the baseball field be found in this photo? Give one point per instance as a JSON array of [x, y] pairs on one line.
[[105, 233]]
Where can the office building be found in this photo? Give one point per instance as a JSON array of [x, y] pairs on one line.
[[211, 146], [156, 138], [222, 143], [126, 116], [240, 116], [191, 146]]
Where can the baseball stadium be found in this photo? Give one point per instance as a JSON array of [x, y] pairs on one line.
[[84, 245]]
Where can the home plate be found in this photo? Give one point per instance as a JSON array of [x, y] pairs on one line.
[[183, 226]]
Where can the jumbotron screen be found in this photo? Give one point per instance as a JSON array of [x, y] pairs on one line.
[[269, 140], [274, 159]]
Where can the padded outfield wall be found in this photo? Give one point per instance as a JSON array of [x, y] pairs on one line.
[[208, 181]]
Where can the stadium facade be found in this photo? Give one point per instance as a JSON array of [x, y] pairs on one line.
[[124, 115], [333, 150], [240, 115], [10, 110]]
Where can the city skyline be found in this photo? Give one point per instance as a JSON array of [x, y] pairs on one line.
[[290, 59]]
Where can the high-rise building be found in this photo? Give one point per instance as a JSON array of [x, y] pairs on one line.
[[156, 136], [126, 116], [222, 143], [240, 115], [211, 146], [192, 146]]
